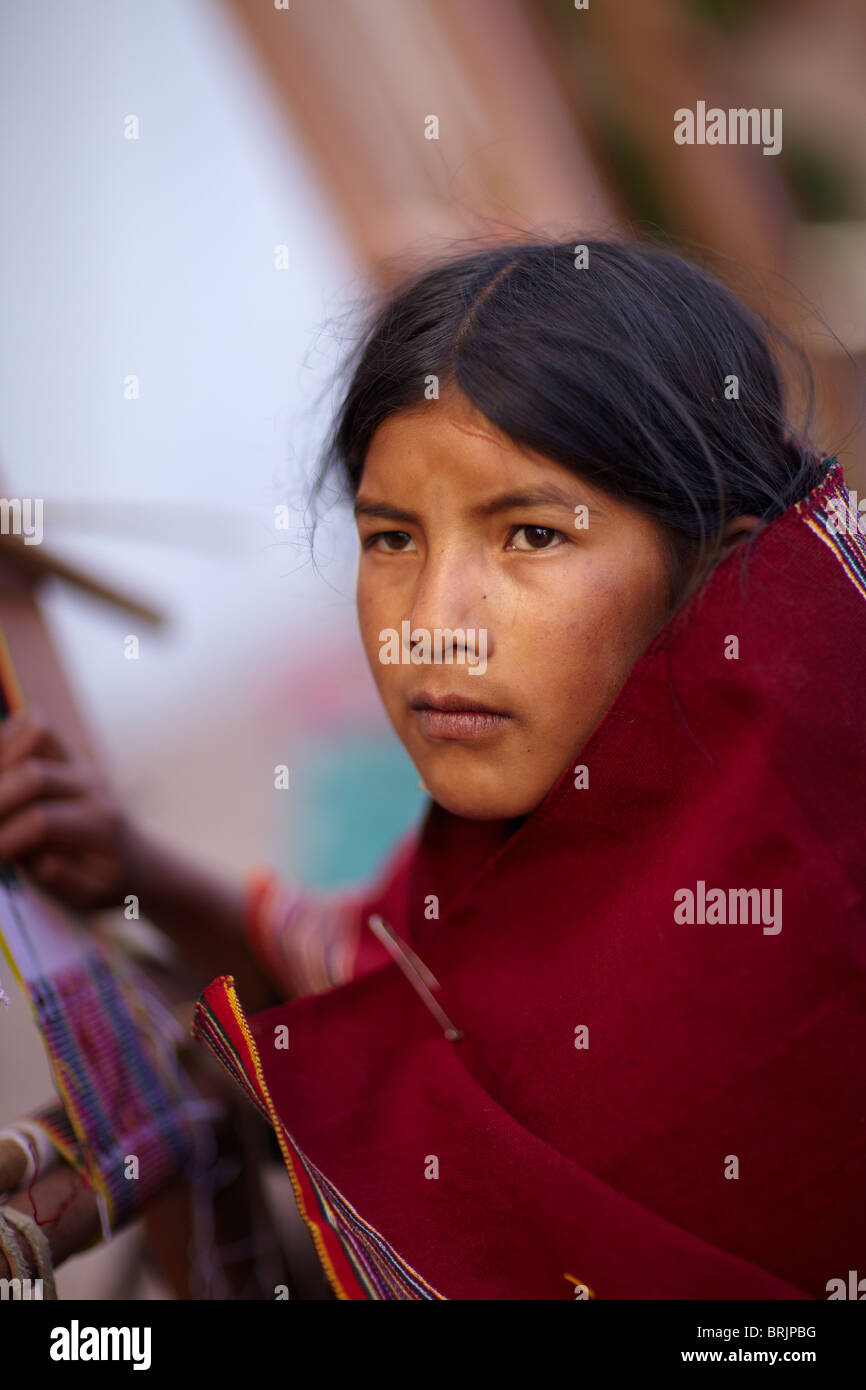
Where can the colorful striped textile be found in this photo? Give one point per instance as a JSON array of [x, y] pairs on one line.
[[358, 1261], [831, 513], [111, 1042], [53, 1119], [112, 1062]]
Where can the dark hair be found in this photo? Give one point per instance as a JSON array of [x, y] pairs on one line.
[[616, 371]]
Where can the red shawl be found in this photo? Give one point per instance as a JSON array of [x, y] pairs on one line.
[[659, 1089]]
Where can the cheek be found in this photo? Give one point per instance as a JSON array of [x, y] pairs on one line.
[[369, 627], [368, 601], [376, 616], [595, 638]]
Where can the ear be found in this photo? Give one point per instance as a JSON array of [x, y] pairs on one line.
[[738, 529]]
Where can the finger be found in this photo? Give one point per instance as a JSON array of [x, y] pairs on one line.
[[35, 780], [47, 825], [24, 734]]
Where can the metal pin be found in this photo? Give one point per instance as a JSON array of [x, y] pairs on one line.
[[420, 978]]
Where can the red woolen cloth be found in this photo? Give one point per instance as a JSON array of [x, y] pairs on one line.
[[707, 1042]]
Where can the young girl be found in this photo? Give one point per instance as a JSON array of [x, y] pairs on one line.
[[594, 1030]]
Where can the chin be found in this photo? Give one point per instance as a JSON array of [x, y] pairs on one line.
[[484, 799]]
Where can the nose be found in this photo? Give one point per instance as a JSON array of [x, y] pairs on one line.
[[451, 591]]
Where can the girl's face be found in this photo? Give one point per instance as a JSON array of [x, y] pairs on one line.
[[526, 592]]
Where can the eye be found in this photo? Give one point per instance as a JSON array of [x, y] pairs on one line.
[[402, 537], [537, 538]]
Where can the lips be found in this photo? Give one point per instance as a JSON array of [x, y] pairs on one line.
[[455, 716], [422, 699]]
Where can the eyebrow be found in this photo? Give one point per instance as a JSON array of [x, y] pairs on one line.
[[546, 496], [505, 502]]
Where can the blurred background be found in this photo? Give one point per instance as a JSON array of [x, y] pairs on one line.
[[197, 196]]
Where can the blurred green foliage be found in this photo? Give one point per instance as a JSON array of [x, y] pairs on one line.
[[822, 189], [643, 199], [728, 15], [821, 186]]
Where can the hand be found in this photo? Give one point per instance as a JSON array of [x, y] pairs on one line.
[[59, 821]]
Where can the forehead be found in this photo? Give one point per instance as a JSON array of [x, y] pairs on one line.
[[449, 443], [452, 416]]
